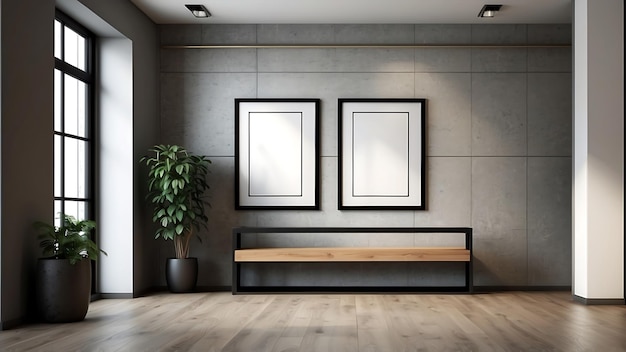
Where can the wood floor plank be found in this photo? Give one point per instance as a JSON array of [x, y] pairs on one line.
[[293, 334], [509, 321], [231, 321], [263, 332], [332, 326], [502, 332]]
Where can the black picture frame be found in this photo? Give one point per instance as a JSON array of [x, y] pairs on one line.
[[277, 154], [382, 154]]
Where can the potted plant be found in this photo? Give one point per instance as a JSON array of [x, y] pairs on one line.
[[176, 187], [64, 274]]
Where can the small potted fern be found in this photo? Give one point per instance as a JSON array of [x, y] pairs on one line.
[[64, 273], [176, 188]]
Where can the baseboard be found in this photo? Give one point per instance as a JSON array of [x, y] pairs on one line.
[[157, 289], [488, 289], [116, 295], [10, 324], [477, 290], [214, 289], [599, 301], [199, 289]]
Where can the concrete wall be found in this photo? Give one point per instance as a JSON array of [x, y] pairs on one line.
[[498, 138]]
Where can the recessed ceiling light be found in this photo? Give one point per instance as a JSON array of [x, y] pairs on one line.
[[199, 11], [489, 10]]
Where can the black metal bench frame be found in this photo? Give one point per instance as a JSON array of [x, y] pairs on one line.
[[237, 240]]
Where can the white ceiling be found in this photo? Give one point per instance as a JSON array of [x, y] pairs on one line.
[[357, 11]]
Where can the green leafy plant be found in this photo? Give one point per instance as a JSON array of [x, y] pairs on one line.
[[70, 241], [177, 183]]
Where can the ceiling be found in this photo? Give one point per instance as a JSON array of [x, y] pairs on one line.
[[357, 11]]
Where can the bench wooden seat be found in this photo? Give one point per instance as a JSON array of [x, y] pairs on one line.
[[354, 254]]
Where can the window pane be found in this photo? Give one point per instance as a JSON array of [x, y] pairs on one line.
[[74, 49], [57, 39], [75, 168], [58, 94], [57, 167], [57, 212], [75, 107], [77, 209]]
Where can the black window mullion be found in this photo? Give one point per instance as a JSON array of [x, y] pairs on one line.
[[62, 38], [90, 154], [73, 71], [62, 139], [84, 139]]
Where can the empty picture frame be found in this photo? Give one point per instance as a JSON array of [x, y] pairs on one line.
[[382, 153], [276, 153]]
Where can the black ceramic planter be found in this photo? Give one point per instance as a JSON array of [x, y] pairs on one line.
[[181, 274], [63, 289]]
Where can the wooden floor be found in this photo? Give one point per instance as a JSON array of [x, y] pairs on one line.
[[512, 321]]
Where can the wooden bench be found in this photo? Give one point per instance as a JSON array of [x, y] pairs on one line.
[[350, 254]]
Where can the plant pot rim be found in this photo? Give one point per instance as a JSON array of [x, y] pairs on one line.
[[53, 258], [182, 258]]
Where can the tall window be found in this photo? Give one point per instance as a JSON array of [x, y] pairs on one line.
[[73, 119]]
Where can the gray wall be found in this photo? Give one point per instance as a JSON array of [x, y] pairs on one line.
[[26, 112], [498, 135], [26, 146]]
